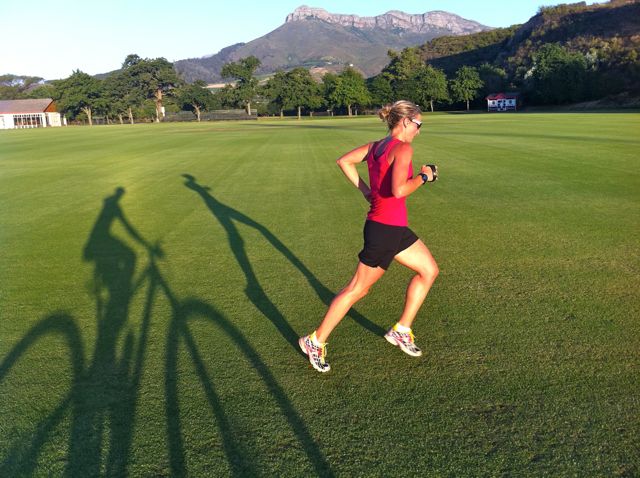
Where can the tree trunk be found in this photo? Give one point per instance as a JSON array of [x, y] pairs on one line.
[[87, 111], [310, 113], [349, 109], [249, 108], [158, 98], [467, 105], [120, 118], [299, 112], [281, 113], [130, 115], [197, 108], [431, 104]]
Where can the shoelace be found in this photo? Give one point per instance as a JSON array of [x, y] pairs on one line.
[[323, 352], [403, 335], [412, 337], [321, 348]]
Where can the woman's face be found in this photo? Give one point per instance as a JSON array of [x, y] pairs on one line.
[[412, 127]]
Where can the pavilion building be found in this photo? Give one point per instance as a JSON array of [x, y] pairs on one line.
[[35, 113]]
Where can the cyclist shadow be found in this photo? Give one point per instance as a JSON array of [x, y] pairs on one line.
[[227, 216], [102, 397], [104, 394], [112, 380]]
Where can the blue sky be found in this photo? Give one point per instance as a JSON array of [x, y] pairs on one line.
[[52, 38]]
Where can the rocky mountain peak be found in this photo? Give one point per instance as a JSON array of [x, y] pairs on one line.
[[394, 19]]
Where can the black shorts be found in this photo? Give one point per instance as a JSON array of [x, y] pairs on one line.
[[382, 242]]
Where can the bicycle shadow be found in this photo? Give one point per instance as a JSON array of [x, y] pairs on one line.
[[104, 393], [228, 216], [102, 398]]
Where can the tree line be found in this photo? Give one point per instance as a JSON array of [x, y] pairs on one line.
[[347, 92], [146, 89]]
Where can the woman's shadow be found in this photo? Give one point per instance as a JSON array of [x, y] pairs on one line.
[[228, 216]]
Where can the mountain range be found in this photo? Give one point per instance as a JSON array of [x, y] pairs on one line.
[[323, 41]]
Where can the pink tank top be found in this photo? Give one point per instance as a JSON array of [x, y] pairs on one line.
[[385, 208]]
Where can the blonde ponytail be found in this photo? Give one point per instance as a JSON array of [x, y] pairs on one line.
[[392, 114]]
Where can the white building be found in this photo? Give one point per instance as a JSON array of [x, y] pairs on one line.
[[502, 102], [38, 113]]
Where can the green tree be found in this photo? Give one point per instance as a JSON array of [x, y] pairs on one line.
[[466, 84], [327, 87], [78, 93], [117, 92], [350, 89], [15, 86], [246, 84], [195, 97], [402, 66], [494, 79], [151, 78], [275, 89], [431, 85], [559, 76], [127, 89], [227, 96], [401, 72], [301, 91], [380, 90], [46, 90], [131, 60]]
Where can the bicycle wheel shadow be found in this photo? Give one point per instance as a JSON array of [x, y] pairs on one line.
[[228, 216], [242, 460], [22, 457]]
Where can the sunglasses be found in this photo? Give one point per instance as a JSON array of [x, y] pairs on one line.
[[416, 122]]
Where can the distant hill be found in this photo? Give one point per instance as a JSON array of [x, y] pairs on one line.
[[313, 37], [600, 31]]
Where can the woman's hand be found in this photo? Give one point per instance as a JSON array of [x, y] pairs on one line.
[[431, 170]]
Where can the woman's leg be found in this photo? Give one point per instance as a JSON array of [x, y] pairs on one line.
[[357, 288], [417, 258]]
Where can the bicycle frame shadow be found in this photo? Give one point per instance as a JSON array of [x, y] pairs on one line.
[[228, 216]]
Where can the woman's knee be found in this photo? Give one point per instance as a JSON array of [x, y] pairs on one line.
[[357, 291], [430, 271]]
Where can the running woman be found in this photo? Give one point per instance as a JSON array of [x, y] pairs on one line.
[[386, 232]]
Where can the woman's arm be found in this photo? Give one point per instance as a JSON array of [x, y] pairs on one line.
[[400, 185], [347, 164]]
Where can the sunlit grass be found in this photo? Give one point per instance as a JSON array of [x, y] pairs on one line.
[[152, 332]]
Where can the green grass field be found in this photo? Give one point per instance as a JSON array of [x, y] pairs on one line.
[[153, 332]]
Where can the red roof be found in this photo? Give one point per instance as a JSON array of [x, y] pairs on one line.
[[25, 106], [502, 96]]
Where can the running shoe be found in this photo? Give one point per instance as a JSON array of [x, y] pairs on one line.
[[315, 353], [404, 340]]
